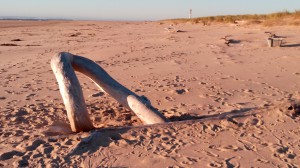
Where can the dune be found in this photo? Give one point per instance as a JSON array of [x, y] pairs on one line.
[[230, 105]]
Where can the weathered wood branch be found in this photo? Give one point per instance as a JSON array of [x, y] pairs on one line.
[[227, 41], [63, 66]]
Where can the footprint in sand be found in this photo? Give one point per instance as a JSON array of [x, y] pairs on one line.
[[99, 94], [35, 144], [283, 152], [22, 162], [10, 154], [181, 91], [169, 98], [29, 96]]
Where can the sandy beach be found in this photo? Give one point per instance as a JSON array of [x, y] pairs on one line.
[[229, 106]]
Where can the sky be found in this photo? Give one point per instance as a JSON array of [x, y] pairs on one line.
[[140, 9]]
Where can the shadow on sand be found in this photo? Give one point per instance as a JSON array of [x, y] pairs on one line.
[[290, 45], [104, 136], [225, 115]]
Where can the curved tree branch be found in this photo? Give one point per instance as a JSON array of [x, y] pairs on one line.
[[62, 65]]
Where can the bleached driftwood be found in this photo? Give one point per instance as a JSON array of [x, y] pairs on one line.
[[227, 41], [63, 66], [274, 40]]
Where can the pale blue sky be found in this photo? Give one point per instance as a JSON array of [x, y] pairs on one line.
[[139, 9]]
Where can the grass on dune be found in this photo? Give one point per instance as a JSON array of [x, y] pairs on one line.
[[278, 18]]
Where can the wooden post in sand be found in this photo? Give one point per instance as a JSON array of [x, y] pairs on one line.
[[62, 65]]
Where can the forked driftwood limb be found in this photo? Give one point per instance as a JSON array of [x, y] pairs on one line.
[[63, 66], [229, 41], [272, 35]]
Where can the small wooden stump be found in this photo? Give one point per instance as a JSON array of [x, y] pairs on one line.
[[274, 42], [63, 66]]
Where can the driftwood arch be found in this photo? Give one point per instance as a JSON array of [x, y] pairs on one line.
[[63, 66]]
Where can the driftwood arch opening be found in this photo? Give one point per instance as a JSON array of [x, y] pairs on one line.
[[63, 66]]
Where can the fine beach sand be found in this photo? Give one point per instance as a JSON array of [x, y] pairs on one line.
[[230, 106]]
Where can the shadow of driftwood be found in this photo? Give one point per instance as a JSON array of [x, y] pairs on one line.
[[290, 45], [280, 36], [232, 41], [105, 136], [9, 44], [231, 114]]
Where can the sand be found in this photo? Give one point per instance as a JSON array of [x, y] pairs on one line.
[[230, 106]]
